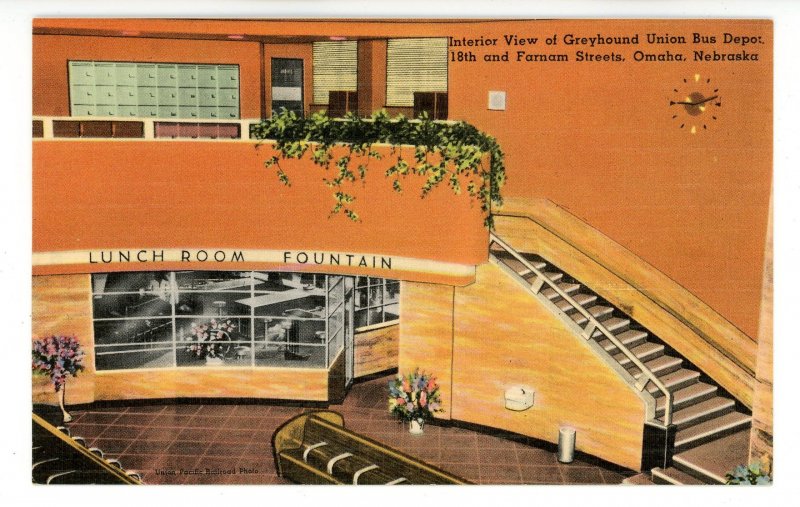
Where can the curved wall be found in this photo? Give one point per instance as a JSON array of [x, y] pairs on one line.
[[482, 339]]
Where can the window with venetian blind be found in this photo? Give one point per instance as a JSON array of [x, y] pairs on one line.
[[335, 68], [415, 65]]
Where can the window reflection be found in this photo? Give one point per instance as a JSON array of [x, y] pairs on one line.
[[376, 301], [235, 318]]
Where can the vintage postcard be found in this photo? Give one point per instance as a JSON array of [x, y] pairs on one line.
[[402, 251]]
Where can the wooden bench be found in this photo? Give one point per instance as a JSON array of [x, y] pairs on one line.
[[59, 458], [316, 448]]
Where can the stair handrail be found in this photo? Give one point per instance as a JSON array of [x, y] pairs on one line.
[[593, 324]]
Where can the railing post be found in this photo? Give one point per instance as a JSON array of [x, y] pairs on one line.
[[589, 330], [668, 409], [47, 128], [149, 128], [537, 284]]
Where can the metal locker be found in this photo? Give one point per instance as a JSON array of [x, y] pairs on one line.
[[147, 96]]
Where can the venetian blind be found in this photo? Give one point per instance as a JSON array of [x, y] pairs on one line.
[[415, 65], [335, 68]]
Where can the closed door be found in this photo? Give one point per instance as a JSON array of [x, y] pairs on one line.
[[287, 84]]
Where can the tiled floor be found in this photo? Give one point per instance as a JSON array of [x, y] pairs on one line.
[[231, 443]]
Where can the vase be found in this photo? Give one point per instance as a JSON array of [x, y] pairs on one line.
[[61, 395], [416, 427], [214, 360]]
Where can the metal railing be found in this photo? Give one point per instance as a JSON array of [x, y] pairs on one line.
[[593, 325]]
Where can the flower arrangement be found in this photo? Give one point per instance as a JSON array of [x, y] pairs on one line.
[[415, 396], [758, 473], [57, 356], [210, 339]]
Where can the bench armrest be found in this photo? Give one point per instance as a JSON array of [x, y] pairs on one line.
[[290, 434]]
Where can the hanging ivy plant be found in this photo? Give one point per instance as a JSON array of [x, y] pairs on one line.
[[452, 153]]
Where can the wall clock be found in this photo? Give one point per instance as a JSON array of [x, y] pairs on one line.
[[695, 103]]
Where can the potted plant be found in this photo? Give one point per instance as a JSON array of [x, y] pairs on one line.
[[58, 356], [414, 398], [757, 473]]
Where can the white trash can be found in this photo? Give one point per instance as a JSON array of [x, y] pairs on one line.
[[566, 444]]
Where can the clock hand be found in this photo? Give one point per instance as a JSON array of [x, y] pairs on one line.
[[705, 100], [673, 103]]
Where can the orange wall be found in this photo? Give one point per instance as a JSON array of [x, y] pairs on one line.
[[599, 140], [195, 194], [484, 338], [266, 383], [503, 337], [426, 336], [62, 305], [596, 138], [371, 76], [375, 351]]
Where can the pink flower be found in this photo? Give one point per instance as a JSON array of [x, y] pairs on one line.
[[423, 399], [406, 386]]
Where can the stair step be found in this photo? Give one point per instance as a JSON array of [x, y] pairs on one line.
[[686, 396], [660, 366], [581, 298], [644, 352], [702, 411], [712, 460], [554, 276], [643, 479], [599, 312], [569, 288], [517, 266], [674, 476], [617, 326], [709, 430], [629, 338], [675, 381]]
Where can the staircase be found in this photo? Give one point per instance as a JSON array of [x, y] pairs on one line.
[[711, 432]]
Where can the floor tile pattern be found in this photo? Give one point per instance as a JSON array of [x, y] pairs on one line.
[[231, 443]]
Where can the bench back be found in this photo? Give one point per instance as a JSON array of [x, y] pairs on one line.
[[390, 461]]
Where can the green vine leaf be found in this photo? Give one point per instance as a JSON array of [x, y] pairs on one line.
[[460, 147]]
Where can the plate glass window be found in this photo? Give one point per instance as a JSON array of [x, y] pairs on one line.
[[225, 318]]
